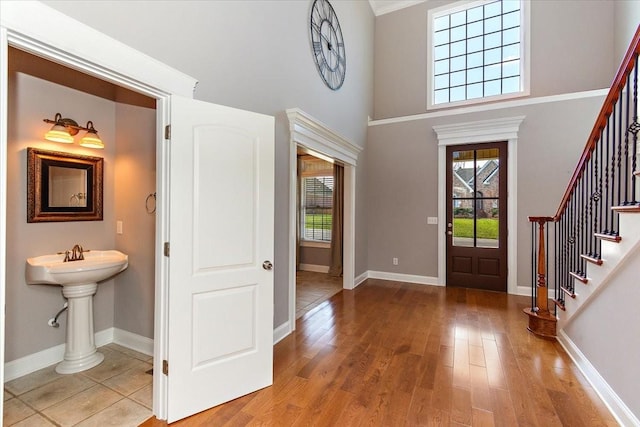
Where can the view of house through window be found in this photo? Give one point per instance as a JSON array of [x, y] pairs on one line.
[[476, 51], [316, 199]]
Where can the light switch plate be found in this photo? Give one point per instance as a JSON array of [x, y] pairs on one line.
[[432, 220]]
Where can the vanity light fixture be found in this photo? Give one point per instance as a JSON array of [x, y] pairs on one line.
[[64, 129]]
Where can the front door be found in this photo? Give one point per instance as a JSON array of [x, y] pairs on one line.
[[477, 216], [220, 298]]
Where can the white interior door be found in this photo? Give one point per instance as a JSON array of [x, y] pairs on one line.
[[220, 343]]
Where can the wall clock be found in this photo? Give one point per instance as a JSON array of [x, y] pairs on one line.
[[327, 44]]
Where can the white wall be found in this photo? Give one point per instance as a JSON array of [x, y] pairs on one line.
[[255, 55]]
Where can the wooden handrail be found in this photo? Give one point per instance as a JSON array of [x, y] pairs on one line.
[[612, 97]]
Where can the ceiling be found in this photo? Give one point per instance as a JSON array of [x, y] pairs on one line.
[[380, 7]]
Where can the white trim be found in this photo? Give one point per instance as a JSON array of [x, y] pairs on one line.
[[407, 278], [281, 332], [478, 132], [315, 135], [525, 54], [617, 407], [133, 341], [494, 106], [315, 268], [307, 132], [392, 6], [50, 356], [360, 279], [4, 53]]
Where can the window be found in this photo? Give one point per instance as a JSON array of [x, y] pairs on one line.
[[477, 52], [316, 199]]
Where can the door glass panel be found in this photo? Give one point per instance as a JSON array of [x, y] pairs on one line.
[[488, 163], [463, 231], [475, 192], [487, 223]]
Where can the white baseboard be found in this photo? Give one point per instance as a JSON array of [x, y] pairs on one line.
[[399, 277], [360, 279], [314, 268], [281, 332], [50, 356], [133, 341], [618, 409]]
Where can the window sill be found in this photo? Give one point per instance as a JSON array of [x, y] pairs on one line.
[[315, 244]]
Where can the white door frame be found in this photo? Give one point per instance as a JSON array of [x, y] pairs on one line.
[[43, 31], [478, 132], [307, 132]]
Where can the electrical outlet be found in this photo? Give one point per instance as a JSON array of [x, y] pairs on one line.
[[395, 261]]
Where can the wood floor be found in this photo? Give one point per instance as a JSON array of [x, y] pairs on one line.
[[396, 354]]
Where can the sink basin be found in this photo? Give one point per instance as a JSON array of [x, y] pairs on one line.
[[96, 266]]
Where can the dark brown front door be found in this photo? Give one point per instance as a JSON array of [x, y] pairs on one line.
[[477, 216]]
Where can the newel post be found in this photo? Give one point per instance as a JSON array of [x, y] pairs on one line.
[[541, 321]]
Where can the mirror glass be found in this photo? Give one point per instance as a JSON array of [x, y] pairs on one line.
[[63, 186]]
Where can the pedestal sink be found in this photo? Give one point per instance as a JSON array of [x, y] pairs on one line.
[[79, 281]]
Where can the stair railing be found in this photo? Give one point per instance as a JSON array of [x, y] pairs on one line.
[[604, 182]]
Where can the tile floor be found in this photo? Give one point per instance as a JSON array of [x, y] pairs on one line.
[[118, 392], [312, 289]]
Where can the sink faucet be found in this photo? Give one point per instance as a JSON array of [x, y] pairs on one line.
[[76, 254]]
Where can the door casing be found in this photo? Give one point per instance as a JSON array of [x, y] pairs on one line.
[[503, 129]]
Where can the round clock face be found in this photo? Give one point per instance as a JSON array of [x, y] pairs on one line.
[[327, 44]]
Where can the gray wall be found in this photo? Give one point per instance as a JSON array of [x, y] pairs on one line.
[[255, 55], [627, 19], [315, 256], [135, 179], [28, 307], [567, 39], [402, 177]]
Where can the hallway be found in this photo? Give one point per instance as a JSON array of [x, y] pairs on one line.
[[393, 353]]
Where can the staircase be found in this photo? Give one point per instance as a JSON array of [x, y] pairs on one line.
[[594, 237]]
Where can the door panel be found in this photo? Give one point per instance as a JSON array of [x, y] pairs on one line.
[[476, 216], [220, 302]]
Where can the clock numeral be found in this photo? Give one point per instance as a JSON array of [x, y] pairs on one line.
[[317, 48]]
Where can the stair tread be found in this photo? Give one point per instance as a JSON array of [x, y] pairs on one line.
[[627, 208], [578, 276], [609, 237], [594, 259], [568, 292], [560, 304]]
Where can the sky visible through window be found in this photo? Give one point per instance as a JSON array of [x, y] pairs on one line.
[[477, 52]]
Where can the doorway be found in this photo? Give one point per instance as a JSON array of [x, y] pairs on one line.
[[476, 200], [319, 216], [38, 89]]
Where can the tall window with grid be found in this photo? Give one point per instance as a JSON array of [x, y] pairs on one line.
[[477, 52], [317, 208]]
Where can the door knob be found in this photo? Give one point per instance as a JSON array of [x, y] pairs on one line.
[[449, 232], [267, 265]]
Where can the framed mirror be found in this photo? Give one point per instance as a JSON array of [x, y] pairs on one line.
[[63, 186]]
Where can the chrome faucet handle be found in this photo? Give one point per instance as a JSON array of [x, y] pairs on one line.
[[66, 256]]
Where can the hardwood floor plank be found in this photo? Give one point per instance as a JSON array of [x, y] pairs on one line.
[[396, 354]]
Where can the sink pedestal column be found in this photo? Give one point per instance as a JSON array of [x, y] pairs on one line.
[[80, 351]]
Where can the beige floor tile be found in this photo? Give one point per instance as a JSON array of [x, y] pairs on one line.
[[123, 413], [129, 352], [35, 420], [33, 380], [131, 380], [81, 406], [144, 396], [7, 395], [14, 411], [114, 363], [56, 391]]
